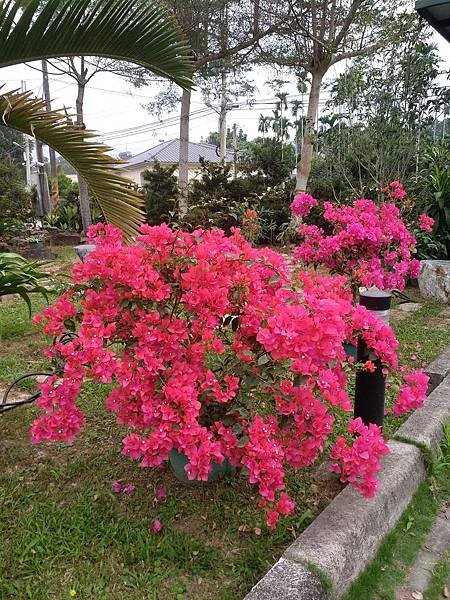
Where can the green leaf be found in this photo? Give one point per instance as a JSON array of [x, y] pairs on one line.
[[119, 202], [142, 32], [243, 441]]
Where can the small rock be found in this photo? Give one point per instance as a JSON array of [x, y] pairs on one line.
[[417, 595], [408, 306], [445, 592]]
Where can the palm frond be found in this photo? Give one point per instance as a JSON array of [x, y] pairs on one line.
[[139, 31], [119, 202]]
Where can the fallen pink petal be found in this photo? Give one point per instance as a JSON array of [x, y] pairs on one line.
[[156, 526], [116, 487], [161, 494], [128, 489]]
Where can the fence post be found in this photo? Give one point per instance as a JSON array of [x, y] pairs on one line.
[[370, 387]]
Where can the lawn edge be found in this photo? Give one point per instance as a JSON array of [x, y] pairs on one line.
[[335, 549]]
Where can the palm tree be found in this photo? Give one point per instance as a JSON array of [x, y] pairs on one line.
[[140, 32], [264, 124]]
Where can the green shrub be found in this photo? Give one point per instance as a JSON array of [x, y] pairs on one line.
[[160, 193], [436, 176], [68, 189], [268, 158], [15, 201]]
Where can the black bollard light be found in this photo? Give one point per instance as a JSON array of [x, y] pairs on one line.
[[370, 387]]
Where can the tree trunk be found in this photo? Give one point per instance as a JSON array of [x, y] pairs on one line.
[[223, 119], [85, 209], [183, 170], [53, 169], [304, 166], [43, 182]]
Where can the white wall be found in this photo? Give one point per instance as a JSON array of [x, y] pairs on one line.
[[135, 173]]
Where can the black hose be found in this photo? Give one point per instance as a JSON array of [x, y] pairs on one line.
[[65, 338], [4, 405]]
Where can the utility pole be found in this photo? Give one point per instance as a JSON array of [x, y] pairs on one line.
[[52, 154], [235, 150], [27, 162], [27, 150], [43, 194], [223, 118]]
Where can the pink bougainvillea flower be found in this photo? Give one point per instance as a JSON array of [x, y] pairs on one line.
[[412, 394], [426, 223], [370, 366], [302, 204], [156, 526], [369, 243], [191, 328], [395, 190], [358, 462], [128, 489], [161, 494]]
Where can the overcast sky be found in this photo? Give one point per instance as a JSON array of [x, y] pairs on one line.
[[111, 105]]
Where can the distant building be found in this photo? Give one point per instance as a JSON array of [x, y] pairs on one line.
[[168, 153]]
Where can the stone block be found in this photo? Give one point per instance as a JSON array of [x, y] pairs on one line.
[[434, 280], [438, 369], [287, 580], [425, 425], [408, 307]]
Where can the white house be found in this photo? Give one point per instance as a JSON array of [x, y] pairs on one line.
[[168, 153]]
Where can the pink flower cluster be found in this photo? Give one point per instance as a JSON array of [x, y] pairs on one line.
[[412, 394], [395, 190], [370, 244], [214, 349], [302, 204], [426, 223], [358, 463]]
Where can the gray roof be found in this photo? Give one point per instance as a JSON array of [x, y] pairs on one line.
[[169, 152]]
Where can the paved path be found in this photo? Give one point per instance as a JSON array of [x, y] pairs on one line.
[[436, 545]]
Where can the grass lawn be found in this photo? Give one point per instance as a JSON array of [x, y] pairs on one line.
[[63, 531]]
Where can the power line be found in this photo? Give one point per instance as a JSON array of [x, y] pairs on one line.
[[148, 127]]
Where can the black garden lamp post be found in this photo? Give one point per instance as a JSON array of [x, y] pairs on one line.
[[370, 386], [437, 13]]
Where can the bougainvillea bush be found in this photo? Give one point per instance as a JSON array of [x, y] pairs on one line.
[[219, 351], [369, 243]]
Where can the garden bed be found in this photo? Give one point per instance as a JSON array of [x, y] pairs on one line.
[[63, 528]]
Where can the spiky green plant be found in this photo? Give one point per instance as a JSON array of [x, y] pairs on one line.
[[22, 277]]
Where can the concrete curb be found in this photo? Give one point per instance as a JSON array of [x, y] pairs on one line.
[[438, 369], [330, 554], [424, 427]]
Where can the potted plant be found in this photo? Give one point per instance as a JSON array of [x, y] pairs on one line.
[[218, 353]]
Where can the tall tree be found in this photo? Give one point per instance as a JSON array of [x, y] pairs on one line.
[[380, 113], [221, 33], [318, 34]]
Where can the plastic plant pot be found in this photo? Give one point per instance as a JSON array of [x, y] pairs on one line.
[[178, 461]]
